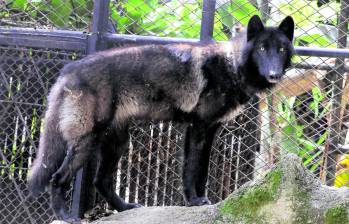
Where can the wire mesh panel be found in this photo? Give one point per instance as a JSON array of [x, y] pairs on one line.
[[307, 111], [157, 18], [26, 75], [234, 153], [72, 14], [151, 173]]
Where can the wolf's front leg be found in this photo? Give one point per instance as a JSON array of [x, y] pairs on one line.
[[198, 142], [113, 145]]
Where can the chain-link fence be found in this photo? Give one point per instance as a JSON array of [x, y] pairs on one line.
[[46, 14], [306, 114], [26, 75]]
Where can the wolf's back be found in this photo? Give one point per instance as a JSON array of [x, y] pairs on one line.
[[52, 146]]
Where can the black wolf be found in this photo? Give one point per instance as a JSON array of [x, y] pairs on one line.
[[202, 85]]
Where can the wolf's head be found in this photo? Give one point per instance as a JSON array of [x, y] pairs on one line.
[[269, 49]]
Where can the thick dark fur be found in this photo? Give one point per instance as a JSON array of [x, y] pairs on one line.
[[93, 100]]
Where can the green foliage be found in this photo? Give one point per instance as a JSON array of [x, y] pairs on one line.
[[19, 4], [312, 23], [172, 19], [57, 13], [231, 12], [315, 26], [293, 138]]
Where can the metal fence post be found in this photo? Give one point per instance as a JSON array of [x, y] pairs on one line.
[[207, 20], [265, 11], [335, 79], [84, 193], [99, 25]]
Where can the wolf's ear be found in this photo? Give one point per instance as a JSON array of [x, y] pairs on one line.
[[287, 27], [254, 27]]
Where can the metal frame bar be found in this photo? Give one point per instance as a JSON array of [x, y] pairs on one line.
[[137, 39], [337, 80], [322, 52], [99, 25], [207, 21], [318, 67], [75, 40], [58, 39]]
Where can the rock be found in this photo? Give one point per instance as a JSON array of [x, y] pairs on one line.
[[64, 222], [287, 194], [59, 222], [161, 215]]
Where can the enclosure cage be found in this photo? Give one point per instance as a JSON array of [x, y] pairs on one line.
[[306, 114]]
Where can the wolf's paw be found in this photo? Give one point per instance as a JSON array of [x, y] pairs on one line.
[[63, 222], [55, 179], [128, 206], [72, 220], [198, 201], [65, 218]]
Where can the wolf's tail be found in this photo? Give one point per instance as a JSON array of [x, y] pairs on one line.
[[52, 146]]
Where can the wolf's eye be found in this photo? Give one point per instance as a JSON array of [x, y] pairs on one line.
[[281, 49], [261, 48]]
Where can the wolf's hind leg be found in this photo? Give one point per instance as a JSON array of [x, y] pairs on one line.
[[61, 179], [77, 118], [75, 158], [58, 202], [114, 144]]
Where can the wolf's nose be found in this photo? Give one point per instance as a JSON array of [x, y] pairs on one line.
[[274, 76]]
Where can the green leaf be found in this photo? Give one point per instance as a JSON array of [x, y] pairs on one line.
[[225, 17], [82, 7], [289, 130], [311, 158], [240, 10], [59, 12], [317, 94], [322, 138], [288, 144], [317, 39], [315, 165], [315, 107], [19, 4], [326, 109], [329, 12], [290, 103], [308, 145], [299, 130]]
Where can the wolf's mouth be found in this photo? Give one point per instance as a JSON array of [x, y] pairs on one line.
[[274, 80]]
